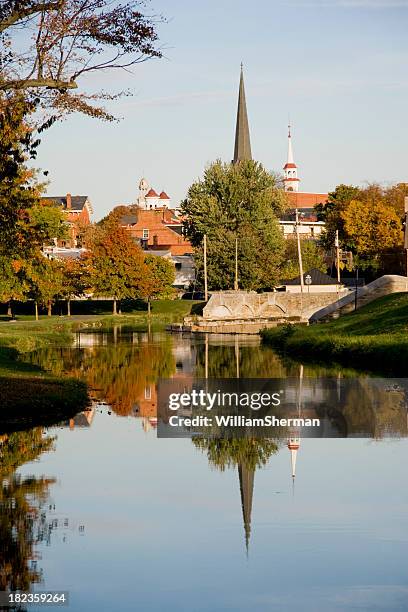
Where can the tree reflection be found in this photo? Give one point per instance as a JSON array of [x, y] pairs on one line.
[[245, 453], [229, 452], [117, 373], [22, 519]]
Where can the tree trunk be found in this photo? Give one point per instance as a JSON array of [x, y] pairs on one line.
[[9, 311], [68, 308], [148, 308], [36, 311], [114, 306], [49, 310], [119, 307]]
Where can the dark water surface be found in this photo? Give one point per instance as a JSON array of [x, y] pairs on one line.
[[100, 507]]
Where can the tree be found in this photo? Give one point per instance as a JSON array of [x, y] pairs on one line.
[[115, 264], [24, 501], [73, 284], [45, 277], [330, 213], [312, 257], [162, 277], [371, 228], [26, 224], [13, 285], [369, 221], [240, 202], [63, 41]]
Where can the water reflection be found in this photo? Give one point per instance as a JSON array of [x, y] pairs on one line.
[[122, 368], [245, 454], [23, 518]]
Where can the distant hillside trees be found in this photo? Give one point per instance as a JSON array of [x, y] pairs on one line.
[[240, 202]]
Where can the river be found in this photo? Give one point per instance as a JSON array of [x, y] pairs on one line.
[[100, 507]]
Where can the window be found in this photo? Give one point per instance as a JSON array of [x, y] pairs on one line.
[[148, 393], [178, 266], [145, 234], [155, 239]]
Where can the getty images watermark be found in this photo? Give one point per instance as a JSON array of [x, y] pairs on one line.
[[204, 400], [324, 407]]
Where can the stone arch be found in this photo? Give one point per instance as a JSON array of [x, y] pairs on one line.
[[221, 312]]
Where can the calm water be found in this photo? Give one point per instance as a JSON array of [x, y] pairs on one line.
[[124, 521]]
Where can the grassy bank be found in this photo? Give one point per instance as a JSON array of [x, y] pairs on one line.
[[27, 334], [374, 337], [31, 396]]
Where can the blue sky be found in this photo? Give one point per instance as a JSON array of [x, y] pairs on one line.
[[337, 67]]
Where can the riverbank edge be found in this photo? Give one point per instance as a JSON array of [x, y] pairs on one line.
[[381, 353]]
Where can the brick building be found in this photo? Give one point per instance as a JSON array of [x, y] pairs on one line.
[[77, 212], [158, 229]]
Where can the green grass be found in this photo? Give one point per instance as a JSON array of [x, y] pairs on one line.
[[27, 334], [374, 337]]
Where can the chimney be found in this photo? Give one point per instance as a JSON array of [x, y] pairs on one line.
[[69, 200]]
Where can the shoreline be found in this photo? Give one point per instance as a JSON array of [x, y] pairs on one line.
[[373, 338]]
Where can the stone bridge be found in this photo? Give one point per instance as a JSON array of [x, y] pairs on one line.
[[247, 312]]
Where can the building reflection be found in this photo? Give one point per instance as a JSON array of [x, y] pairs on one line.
[[246, 486]]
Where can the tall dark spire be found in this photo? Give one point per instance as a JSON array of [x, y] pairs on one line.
[[242, 150], [246, 485]]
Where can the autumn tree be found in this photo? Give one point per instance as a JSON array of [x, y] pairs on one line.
[[115, 264], [369, 222], [73, 281], [371, 228], [236, 202], [26, 224]]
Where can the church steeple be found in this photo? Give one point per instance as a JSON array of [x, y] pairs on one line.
[[242, 150], [291, 179]]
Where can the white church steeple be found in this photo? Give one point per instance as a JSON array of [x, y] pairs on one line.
[[291, 180]]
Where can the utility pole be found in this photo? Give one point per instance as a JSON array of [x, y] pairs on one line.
[[356, 289], [406, 229], [336, 244], [205, 269], [299, 251], [236, 265]]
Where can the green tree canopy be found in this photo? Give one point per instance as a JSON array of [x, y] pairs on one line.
[[312, 257], [230, 202], [163, 275]]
